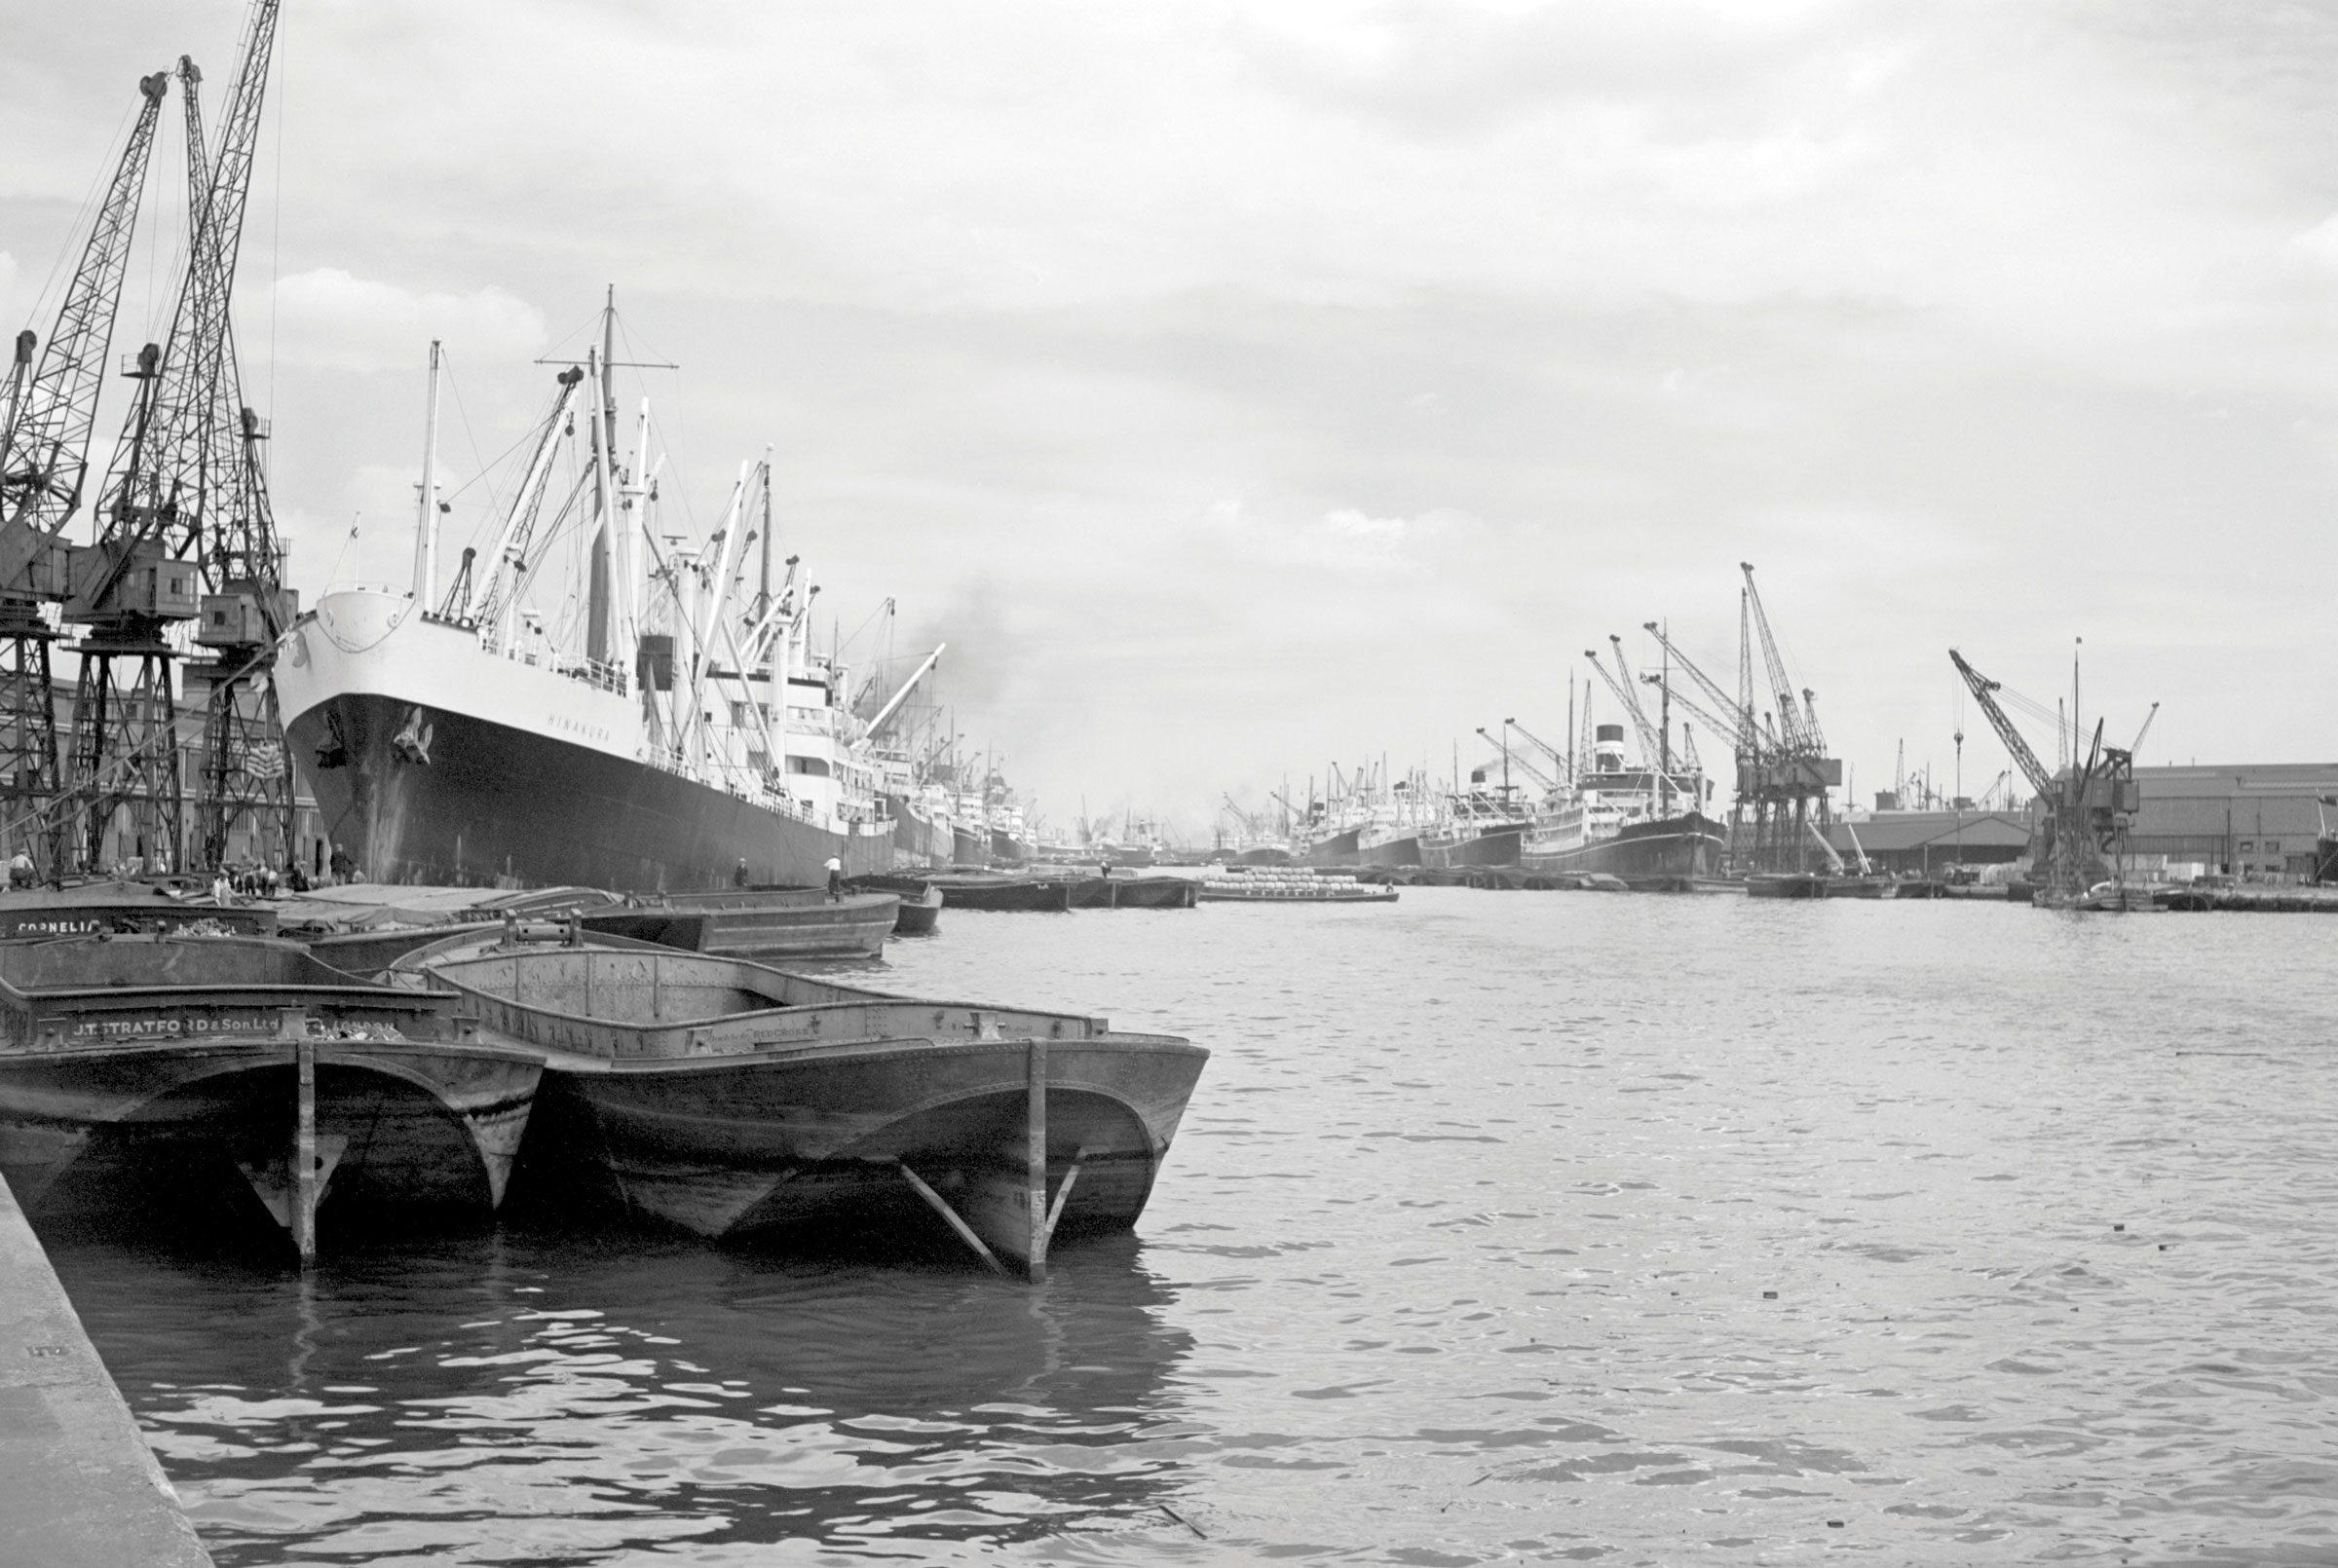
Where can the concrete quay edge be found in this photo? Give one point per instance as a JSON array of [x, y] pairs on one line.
[[79, 1487]]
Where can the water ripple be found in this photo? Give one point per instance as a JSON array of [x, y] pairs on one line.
[[1525, 1230]]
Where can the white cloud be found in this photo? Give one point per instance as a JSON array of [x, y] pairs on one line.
[[329, 320], [1349, 523], [2320, 244], [1897, 302]]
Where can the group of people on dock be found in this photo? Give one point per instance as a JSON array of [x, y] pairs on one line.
[[249, 879], [253, 879]]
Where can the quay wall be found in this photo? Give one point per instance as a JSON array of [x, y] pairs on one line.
[[79, 1488]]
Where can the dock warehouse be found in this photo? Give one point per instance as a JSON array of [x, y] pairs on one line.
[[2262, 820], [1928, 843]]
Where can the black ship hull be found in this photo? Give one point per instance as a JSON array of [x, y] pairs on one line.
[[1402, 850], [1496, 846], [1339, 849], [499, 807], [1684, 846], [918, 839]]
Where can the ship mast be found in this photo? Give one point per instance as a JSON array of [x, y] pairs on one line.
[[425, 523], [600, 614]]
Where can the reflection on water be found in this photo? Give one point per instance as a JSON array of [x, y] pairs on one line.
[[1503, 1228], [586, 1399]]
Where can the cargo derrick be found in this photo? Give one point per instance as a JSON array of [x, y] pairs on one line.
[[1729, 716], [44, 459], [1525, 763], [182, 506], [1565, 768], [1651, 748]]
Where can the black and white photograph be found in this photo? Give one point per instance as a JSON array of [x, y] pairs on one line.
[[1111, 782]]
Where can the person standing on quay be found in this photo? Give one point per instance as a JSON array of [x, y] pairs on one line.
[[739, 873], [836, 881]]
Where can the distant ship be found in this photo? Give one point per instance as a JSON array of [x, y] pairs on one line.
[[1389, 843], [1482, 826], [1333, 847], [922, 833], [1010, 836], [1392, 837], [1628, 822], [915, 779], [649, 722], [1138, 843]]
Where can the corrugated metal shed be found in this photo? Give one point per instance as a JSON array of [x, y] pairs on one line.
[[2249, 818], [1898, 832]]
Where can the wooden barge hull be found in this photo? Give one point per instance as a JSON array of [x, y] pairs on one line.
[[728, 1098], [1156, 893], [149, 1065], [408, 1129], [761, 922], [122, 909], [920, 913], [1048, 895], [820, 1137]]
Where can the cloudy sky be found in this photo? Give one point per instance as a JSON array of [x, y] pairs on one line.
[[1244, 388]]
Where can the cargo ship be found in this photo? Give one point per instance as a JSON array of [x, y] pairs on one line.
[[1626, 821], [647, 720], [1398, 824], [1333, 847], [1482, 826], [1389, 843], [1009, 838], [918, 782]]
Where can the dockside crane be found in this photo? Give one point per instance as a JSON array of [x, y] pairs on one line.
[[44, 462], [246, 772], [183, 509], [1791, 775], [2087, 807]]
